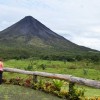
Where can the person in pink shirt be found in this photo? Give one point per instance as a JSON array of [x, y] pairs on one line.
[[1, 70]]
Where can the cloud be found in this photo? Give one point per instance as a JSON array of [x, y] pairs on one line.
[[88, 42], [95, 29]]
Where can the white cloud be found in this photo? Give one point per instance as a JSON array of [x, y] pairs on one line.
[[88, 42], [96, 29]]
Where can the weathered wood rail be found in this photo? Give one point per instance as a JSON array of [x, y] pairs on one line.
[[70, 78]]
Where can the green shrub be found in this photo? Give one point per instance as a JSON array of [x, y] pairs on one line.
[[58, 83], [72, 67], [43, 66], [30, 68]]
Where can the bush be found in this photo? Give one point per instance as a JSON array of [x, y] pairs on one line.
[[95, 58], [72, 67], [78, 57], [43, 66], [29, 68]]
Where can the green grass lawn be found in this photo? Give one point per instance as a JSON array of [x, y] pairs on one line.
[[90, 92], [73, 68], [14, 92]]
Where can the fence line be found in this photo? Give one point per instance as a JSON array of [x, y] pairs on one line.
[[70, 78]]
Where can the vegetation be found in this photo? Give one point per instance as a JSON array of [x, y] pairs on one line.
[[55, 87], [83, 68], [47, 54]]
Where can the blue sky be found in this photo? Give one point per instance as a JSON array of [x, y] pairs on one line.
[[76, 20]]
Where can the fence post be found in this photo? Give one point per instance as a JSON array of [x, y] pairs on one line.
[[71, 87], [35, 78]]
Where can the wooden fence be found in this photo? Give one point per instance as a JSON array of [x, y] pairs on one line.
[[70, 78]]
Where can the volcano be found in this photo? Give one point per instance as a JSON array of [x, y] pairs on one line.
[[31, 35]]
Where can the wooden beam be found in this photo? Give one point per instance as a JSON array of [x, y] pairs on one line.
[[78, 80]]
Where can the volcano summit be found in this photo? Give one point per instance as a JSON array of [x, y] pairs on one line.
[[32, 36]]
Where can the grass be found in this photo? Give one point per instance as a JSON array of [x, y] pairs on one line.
[[80, 69], [73, 68], [89, 92], [14, 92]]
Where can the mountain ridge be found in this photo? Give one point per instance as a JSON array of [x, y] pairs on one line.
[[30, 34]]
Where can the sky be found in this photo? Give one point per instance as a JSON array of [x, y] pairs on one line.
[[76, 20]]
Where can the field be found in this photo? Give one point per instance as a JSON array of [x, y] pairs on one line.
[[83, 69], [80, 69], [23, 93]]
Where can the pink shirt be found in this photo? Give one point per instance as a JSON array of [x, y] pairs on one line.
[[1, 66]]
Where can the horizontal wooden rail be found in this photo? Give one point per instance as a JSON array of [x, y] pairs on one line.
[[70, 78]]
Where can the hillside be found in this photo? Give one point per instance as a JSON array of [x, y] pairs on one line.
[[30, 37]]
